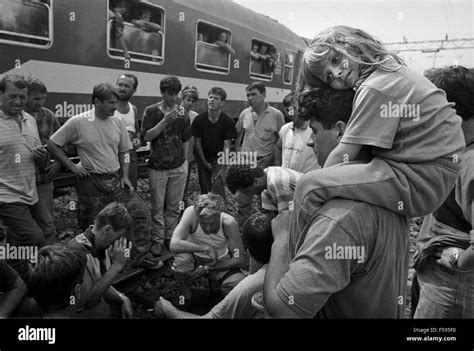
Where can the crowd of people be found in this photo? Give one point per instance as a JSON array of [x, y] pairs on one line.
[[337, 180]]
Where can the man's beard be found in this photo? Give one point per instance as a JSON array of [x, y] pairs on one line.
[[126, 98]]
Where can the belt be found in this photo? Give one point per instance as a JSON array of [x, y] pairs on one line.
[[103, 175]]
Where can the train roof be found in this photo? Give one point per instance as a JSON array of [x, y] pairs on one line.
[[241, 16]]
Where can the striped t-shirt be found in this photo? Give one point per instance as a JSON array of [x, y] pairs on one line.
[[18, 181], [281, 184]]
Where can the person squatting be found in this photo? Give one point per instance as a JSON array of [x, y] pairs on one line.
[[336, 180]]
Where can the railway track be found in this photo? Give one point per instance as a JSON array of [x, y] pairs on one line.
[[128, 281]]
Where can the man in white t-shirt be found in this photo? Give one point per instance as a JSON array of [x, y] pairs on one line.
[[291, 149], [127, 86]]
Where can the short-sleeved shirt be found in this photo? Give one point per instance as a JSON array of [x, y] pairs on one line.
[[212, 135], [98, 141], [262, 135], [295, 154], [167, 150], [405, 118], [351, 263], [281, 184], [18, 181], [456, 211], [8, 277], [238, 302], [47, 123]]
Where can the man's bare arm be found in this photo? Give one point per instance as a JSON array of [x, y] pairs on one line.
[[178, 243], [59, 154], [236, 247], [278, 153], [152, 133], [12, 298], [277, 267]]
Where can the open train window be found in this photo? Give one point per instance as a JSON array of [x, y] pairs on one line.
[[210, 56], [136, 28], [288, 69], [26, 22], [262, 60]]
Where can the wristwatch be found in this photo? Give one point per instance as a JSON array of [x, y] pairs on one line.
[[454, 257]]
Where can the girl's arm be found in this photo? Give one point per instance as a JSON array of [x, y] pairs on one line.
[[343, 153]]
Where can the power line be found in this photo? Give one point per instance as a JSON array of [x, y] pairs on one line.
[[432, 45]]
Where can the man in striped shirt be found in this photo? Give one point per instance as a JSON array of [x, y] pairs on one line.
[[19, 148], [275, 184]]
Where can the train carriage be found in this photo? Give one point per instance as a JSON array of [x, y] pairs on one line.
[[70, 45]]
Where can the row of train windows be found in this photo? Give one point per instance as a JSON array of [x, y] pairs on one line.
[[137, 28]]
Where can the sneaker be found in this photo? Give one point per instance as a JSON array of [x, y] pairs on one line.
[[147, 261], [156, 248]]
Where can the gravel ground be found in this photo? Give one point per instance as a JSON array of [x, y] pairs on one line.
[[166, 286]]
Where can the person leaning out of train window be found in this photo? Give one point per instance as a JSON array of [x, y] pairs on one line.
[[221, 42], [267, 55], [144, 23], [203, 36], [116, 15], [255, 63]]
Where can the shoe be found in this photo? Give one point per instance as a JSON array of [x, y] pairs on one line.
[[147, 261], [156, 248]]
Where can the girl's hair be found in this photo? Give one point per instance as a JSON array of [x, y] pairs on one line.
[[354, 43]]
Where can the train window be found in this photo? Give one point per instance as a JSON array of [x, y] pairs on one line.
[[288, 69], [262, 60], [213, 48], [136, 31], [26, 22]]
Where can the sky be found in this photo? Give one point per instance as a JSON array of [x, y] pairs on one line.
[[390, 21]]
